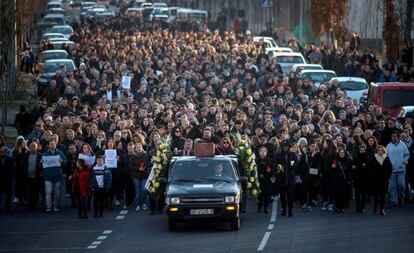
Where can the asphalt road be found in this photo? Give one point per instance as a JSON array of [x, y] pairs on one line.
[[137, 231]]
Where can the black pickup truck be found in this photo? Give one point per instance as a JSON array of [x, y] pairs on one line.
[[200, 188]]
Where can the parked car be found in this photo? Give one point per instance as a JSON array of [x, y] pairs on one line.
[[58, 19], [75, 3], [404, 110], [49, 69], [54, 4], [268, 41], [66, 30], [299, 67], [59, 44], [160, 5], [272, 50], [318, 76], [159, 14], [56, 11], [287, 60], [55, 54], [355, 87], [48, 36], [134, 12], [172, 13], [390, 96]]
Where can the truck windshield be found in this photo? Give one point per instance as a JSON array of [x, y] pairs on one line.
[[394, 99], [202, 169]]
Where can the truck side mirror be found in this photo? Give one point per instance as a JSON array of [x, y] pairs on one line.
[[162, 180], [243, 180]]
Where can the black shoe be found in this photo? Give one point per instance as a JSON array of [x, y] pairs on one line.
[[394, 206], [244, 210], [283, 212], [290, 213]]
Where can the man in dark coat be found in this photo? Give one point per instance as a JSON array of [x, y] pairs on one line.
[[6, 178], [285, 177]]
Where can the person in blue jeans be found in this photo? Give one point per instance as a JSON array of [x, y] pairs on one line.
[[138, 167], [398, 154]]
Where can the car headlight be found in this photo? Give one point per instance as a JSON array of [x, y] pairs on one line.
[[231, 199], [175, 200]]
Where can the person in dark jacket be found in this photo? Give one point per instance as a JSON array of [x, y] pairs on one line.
[[285, 177], [72, 157], [23, 122], [360, 178], [266, 173], [33, 170], [81, 187], [101, 182], [309, 166], [138, 168], [341, 179], [177, 141], [6, 179], [328, 155], [380, 173]]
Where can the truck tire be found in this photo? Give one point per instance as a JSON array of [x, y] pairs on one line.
[[235, 223], [172, 224]]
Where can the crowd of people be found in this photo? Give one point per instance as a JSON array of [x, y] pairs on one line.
[[313, 145]]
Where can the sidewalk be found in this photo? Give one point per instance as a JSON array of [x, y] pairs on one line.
[[21, 96]]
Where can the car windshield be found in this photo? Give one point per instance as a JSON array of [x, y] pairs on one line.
[[202, 169], [52, 67], [299, 69], [353, 85], [319, 77], [289, 59], [53, 55], [64, 30], [394, 99]]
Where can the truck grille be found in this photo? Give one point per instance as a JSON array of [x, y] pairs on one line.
[[202, 200]]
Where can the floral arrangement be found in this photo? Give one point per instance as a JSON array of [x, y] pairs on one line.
[[160, 161], [247, 160]]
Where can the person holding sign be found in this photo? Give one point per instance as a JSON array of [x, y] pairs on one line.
[[101, 179], [53, 161], [87, 155]]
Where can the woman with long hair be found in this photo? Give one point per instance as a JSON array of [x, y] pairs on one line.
[[341, 179], [360, 176], [226, 146], [329, 154], [380, 174]]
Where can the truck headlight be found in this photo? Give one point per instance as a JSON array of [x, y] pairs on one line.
[[175, 200], [231, 199]]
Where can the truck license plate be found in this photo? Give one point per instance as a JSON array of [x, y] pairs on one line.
[[201, 211]]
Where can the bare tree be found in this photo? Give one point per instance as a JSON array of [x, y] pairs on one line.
[[391, 32]]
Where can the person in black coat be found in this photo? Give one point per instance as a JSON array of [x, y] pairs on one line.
[[266, 173], [380, 173], [6, 179], [177, 141], [360, 178], [309, 167], [341, 179], [285, 177], [33, 169]]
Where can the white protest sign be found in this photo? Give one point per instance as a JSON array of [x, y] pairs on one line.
[[126, 82], [110, 158], [51, 161], [89, 160], [150, 177]]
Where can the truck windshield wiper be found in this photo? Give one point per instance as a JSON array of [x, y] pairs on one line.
[[185, 180], [217, 179]]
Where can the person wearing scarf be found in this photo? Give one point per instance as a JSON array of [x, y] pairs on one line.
[[380, 173]]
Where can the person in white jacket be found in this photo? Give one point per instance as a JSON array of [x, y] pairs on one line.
[[399, 154]]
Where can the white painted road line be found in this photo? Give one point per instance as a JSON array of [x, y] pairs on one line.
[[49, 232], [264, 241], [92, 247], [274, 212], [107, 232], [266, 236], [120, 217], [123, 212], [96, 242], [101, 237]]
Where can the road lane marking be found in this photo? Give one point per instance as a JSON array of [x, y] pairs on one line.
[[51, 220], [48, 232], [92, 247], [99, 240], [264, 241], [274, 212], [96, 242], [120, 217], [270, 226], [42, 249], [107, 232], [123, 212], [102, 237]]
